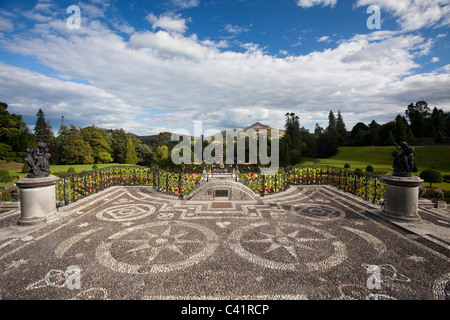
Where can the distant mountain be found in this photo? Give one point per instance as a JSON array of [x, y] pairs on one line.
[[166, 136], [258, 126]]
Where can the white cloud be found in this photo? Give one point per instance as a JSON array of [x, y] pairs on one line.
[[27, 91], [169, 22], [312, 3], [6, 25], [165, 45], [168, 79], [324, 39], [235, 29], [414, 14], [185, 4], [435, 59]]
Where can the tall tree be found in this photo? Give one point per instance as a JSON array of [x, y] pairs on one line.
[[437, 121], [401, 129], [97, 139], [72, 148], [331, 129], [123, 147], [341, 129], [14, 135], [418, 114], [293, 137], [43, 130]]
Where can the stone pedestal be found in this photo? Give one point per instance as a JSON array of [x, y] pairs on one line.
[[37, 200], [402, 198]]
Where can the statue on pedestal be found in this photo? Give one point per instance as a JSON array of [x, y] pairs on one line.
[[404, 161], [37, 161]]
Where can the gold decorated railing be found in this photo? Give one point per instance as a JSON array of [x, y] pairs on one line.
[[366, 186], [74, 187]]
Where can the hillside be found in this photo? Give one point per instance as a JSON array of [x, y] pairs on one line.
[[166, 136], [425, 157]]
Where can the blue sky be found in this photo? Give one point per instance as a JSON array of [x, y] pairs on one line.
[[152, 66]]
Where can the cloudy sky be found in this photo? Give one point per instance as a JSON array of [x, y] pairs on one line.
[[152, 66]]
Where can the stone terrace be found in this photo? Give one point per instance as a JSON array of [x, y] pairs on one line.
[[309, 242]]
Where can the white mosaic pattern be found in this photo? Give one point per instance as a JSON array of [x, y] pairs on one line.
[[157, 247], [299, 247]]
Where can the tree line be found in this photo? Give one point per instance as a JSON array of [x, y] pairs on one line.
[[92, 145], [71, 145], [419, 121]]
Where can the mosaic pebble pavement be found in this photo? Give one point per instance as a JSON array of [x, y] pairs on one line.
[[308, 243]]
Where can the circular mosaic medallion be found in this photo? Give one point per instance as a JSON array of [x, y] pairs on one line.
[[287, 246], [318, 212], [126, 212], [157, 247]]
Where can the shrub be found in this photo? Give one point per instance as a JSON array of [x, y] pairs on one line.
[[61, 174], [446, 178], [431, 176], [5, 177], [369, 168], [95, 167], [346, 166], [71, 170], [434, 193], [25, 168]]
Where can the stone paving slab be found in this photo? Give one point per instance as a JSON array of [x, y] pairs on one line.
[[308, 243]]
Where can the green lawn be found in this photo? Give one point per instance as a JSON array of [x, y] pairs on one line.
[[380, 158], [15, 169], [425, 157]]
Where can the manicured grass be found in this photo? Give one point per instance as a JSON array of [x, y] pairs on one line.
[[380, 158], [15, 169], [425, 157], [81, 167]]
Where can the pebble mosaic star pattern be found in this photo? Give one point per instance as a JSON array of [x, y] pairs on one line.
[[305, 243]]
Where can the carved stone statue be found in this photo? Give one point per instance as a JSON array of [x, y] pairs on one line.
[[404, 161], [37, 161]]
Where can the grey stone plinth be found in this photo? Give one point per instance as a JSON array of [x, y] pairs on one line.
[[440, 204], [37, 200], [402, 198]]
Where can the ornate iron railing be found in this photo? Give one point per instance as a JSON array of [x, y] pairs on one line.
[[74, 187], [366, 186]]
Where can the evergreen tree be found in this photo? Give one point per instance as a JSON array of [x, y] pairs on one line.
[[43, 130], [293, 137], [341, 129], [390, 140], [326, 145], [410, 139], [97, 139], [72, 148], [318, 130], [401, 129], [437, 120], [439, 139], [376, 140], [418, 115], [144, 155], [123, 147], [331, 129]]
